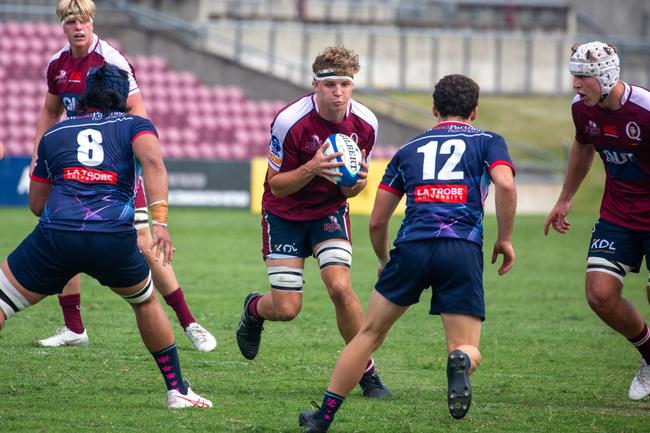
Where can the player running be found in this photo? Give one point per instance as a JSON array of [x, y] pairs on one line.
[[82, 189], [445, 174], [66, 74], [612, 118], [306, 213]]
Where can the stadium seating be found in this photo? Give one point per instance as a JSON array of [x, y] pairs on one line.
[[194, 121]]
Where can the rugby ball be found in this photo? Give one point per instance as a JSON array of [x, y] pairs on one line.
[[351, 157]]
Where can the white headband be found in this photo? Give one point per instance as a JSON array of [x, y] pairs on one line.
[[331, 74]]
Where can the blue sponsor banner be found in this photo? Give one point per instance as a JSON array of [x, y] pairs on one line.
[[14, 181], [191, 183]]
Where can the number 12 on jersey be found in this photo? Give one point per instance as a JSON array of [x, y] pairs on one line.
[[454, 147]]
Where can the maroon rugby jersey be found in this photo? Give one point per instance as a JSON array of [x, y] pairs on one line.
[[297, 132], [66, 75], [622, 138]]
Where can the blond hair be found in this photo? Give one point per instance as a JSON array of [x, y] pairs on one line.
[[338, 59], [84, 10]]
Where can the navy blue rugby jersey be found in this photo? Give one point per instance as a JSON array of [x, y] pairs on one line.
[[445, 173], [90, 163]]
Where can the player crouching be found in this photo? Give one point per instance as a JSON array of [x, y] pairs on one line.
[[82, 189]]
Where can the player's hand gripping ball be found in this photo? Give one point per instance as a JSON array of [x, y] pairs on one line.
[[351, 157]]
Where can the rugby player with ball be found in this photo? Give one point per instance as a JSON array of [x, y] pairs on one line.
[[304, 206]]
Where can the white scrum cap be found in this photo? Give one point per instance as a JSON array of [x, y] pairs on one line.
[[599, 60]]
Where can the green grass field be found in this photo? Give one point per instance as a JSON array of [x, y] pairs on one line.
[[549, 364]]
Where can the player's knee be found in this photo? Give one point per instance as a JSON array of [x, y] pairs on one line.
[[287, 311], [372, 334], [334, 252], [341, 293], [601, 299], [143, 295], [11, 300]]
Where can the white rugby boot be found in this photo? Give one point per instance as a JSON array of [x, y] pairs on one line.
[[199, 336], [65, 337], [176, 400], [640, 386]]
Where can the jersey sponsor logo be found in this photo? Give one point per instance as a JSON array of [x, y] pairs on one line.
[[275, 150], [69, 101], [618, 158], [332, 226], [592, 129], [441, 193], [88, 175], [610, 131], [285, 248], [633, 131], [313, 143], [75, 77]]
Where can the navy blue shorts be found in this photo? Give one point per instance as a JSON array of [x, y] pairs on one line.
[[619, 244], [46, 259], [283, 238], [453, 268]]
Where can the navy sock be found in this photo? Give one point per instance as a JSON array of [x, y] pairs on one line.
[[170, 367], [331, 403]]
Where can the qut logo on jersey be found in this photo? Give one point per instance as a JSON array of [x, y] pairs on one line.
[[618, 157], [602, 245]]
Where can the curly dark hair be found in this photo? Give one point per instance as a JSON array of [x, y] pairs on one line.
[[455, 95]]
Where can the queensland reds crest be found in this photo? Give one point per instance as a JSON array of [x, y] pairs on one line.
[[592, 129], [333, 225], [60, 77], [313, 143], [633, 131]]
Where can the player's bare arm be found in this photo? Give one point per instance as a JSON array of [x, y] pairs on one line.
[[580, 160], [285, 183], [50, 114], [385, 205], [506, 206], [38, 194], [154, 175]]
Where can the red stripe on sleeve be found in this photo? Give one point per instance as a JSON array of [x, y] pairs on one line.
[[502, 162], [143, 133], [390, 189], [40, 179]]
